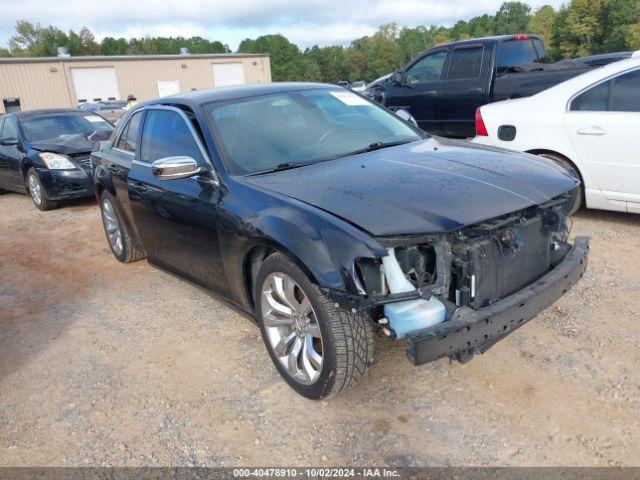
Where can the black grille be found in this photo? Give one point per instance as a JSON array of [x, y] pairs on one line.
[[503, 263]]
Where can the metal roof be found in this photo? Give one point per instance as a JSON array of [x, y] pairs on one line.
[[116, 58]]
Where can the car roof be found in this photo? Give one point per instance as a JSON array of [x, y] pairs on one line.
[[494, 38], [201, 97], [46, 111]]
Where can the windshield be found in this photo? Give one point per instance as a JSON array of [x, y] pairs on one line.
[[303, 127], [51, 127]]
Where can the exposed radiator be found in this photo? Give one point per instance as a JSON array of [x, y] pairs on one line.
[[504, 262]]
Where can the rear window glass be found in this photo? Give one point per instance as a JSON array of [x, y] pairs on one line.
[[515, 52], [625, 94], [596, 99], [465, 63]]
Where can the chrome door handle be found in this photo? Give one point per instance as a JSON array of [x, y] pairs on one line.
[[595, 130]]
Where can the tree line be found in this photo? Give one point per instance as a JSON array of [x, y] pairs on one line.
[[581, 27]]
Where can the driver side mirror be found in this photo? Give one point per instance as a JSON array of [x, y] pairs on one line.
[[398, 78], [172, 168], [9, 142]]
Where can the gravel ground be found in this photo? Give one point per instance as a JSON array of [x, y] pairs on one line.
[[124, 365]]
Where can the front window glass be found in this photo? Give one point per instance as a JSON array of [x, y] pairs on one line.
[[303, 127], [625, 94], [166, 134], [59, 125], [128, 139], [10, 128], [595, 99], [427, 69]]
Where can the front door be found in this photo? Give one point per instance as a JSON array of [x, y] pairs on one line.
[[603, 124], [10, 156], [176, 219], [418, 91]]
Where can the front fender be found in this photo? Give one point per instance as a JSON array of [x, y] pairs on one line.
[[321, 244]]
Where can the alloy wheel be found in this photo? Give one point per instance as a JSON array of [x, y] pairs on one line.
[[35, 189], [112, 226], [292, 328]]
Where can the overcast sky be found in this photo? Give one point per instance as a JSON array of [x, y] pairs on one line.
[[305, 22]]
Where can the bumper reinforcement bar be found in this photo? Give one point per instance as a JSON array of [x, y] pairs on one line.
[[475, 331]]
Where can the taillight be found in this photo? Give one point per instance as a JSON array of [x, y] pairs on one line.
[[522, 36], [481, 128]]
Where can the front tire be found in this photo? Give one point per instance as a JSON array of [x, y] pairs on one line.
[[123, 246], [319, 349], [37, 192]]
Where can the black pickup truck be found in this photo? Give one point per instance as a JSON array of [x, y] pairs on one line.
[[443, 87]]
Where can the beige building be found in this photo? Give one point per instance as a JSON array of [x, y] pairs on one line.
[[30, 83]]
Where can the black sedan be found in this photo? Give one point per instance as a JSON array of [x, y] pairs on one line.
[[327, 218], [45, 153]]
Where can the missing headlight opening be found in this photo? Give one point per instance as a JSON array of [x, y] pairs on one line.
[[473, 267]]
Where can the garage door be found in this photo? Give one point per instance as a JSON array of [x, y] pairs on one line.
[[226, 74], [93, 83]]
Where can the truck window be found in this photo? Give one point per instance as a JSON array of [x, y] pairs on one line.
[[542, 52], [515, 52], [596, 99], [427, 69], [465, 63], [166, 134], [625, 93]]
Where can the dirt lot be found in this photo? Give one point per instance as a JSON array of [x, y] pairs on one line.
[[110, 364]]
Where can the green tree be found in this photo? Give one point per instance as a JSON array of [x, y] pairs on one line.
[[633, 36], [513, 17], [286, 60], [411, 42], [113, 46], [89, 44], [34, 40], [481, 26], [541, 23], [578, 30], [460, 31], [619, 16]]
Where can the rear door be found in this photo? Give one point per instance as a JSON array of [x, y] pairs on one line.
[[603, 123], [464, 88], [10, 155], [176, 220], [418, 91]]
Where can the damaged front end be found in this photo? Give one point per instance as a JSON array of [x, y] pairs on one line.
[[456, 294]]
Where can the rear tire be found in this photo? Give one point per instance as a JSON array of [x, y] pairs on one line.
[[37, 192], [570, 166], [320, 350], [123, 246]]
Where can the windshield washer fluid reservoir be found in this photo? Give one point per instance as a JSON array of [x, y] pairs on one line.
[[410, 315]]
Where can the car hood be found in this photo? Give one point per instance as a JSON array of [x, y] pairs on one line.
[[71, 145], [432, 186]]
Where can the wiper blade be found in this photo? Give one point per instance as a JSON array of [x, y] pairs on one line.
[[279, 168], [373, 147]]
